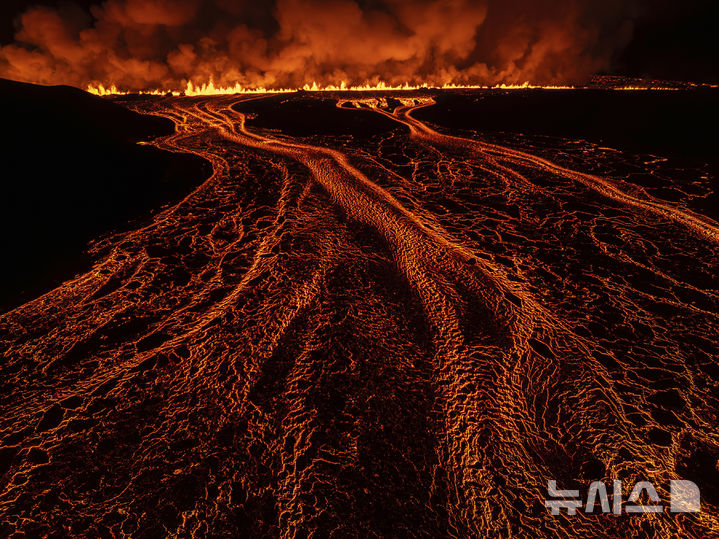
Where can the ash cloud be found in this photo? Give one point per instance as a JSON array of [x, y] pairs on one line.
[[142, 44]]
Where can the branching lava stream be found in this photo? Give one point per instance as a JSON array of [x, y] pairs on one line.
[[404, 335]]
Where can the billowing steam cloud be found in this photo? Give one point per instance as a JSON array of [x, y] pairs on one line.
[[143, 44]]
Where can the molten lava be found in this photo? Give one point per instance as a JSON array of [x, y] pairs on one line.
[[209, 88], [401, 331]]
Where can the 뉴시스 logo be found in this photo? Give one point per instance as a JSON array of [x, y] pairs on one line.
[[683, 498]]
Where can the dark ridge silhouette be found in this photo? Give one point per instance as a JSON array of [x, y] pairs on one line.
[[72, 171]]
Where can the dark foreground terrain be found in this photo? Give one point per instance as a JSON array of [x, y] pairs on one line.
[[71, 171], [382, 315]]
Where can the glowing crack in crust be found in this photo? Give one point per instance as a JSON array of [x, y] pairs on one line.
[[405, 336]]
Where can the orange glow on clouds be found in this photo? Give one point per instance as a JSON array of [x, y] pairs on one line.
[[315, 44]]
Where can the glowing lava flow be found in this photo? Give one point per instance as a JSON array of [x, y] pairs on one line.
[[403, 114], [486, 331], [384, 333]]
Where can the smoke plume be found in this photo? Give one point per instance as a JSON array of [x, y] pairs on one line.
[[143, 44]]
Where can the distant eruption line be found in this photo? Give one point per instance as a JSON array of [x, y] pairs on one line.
[[209, 88]]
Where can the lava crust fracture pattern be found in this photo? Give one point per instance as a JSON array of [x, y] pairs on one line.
[[403, 335]]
